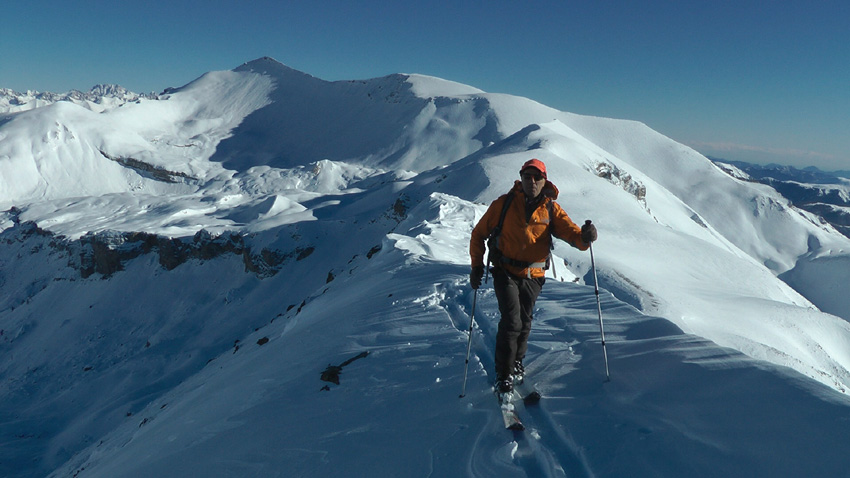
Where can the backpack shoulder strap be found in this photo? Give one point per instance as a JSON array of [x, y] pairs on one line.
[[493, 238], [551, 205], [494, 234], [508, 200], [549, 261]]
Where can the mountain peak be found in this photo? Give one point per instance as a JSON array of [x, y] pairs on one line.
[[269, 66]]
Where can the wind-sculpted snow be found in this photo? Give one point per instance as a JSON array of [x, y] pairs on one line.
[[176, 275]]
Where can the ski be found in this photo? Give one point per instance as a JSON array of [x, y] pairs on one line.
[[527, 392], [509, 414], [523, 392]]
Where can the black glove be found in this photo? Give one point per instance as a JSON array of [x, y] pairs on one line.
[[588, 232], [475, 276]]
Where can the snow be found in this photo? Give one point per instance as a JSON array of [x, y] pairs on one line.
[[425, 86], [173, 315]]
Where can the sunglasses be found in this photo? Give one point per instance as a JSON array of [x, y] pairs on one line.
[[534, 176]]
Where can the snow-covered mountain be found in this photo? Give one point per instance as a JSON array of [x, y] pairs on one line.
[[98, 98], [826, 194], [178, 273]]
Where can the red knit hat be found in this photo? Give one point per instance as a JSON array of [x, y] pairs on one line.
[[536, 164]]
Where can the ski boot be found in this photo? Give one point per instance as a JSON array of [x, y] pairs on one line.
[[519, 372], [504, 387]]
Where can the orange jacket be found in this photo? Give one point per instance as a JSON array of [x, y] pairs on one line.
[[521, 240]]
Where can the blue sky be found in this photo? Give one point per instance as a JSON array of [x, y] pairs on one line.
[[761, 81]]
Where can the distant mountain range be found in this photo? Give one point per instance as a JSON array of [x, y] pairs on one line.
[[98, 98], [824, 193]]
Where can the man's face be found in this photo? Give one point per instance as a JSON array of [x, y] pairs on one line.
[[532, 182]]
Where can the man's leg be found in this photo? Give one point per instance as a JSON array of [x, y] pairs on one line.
[[510, 325], [529, 290]]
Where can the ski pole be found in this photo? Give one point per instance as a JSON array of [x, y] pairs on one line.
[[599, 308], [469, 342]]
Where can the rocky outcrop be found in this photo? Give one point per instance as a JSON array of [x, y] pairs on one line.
[[105, 253], [148, 170], [622, 179]]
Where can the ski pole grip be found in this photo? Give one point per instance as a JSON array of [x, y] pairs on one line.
[[587, 222]]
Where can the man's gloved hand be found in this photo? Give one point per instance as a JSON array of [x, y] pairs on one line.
[[475, 276], [588, 232]]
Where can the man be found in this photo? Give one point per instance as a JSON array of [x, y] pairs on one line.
[[519, 253]]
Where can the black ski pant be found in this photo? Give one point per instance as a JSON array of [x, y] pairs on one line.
[[516, 296]]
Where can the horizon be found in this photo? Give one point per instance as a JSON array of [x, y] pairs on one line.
[[741, 81]]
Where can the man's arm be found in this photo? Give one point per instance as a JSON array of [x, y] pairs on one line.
[[482, 231], [565, 229]]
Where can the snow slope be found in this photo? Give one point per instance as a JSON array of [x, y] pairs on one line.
[[178, 273]]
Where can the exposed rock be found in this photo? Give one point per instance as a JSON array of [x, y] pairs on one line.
[[331, 374], [623, 179], [148, 170]]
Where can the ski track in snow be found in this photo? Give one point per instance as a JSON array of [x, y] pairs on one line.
[[544, 448]]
